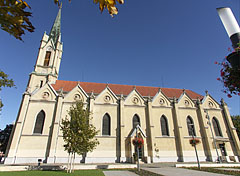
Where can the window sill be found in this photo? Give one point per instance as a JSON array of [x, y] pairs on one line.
[[165, 137], [219, 137], [198, 137], [106, 136], [35, 134]]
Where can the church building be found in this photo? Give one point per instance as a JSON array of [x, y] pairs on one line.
[[168, 118]]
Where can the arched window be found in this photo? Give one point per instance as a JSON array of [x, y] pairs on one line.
[[164, 126], [47, 58], [136, 121], [190, 126], [216, 127], [39, 122], [106, 125]]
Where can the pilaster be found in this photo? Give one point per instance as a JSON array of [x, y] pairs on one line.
[[177, 130], [91, 106], [122, 130], [17, 132], [54, 132], [150, 126], [231, 127], [204, 129]]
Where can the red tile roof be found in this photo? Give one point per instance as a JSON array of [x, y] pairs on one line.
[[118, 89]]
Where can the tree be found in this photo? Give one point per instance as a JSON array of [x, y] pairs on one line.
[[5, 82], [14, 17], [110, 5], [236, 123], [4, 137], [78, 133]]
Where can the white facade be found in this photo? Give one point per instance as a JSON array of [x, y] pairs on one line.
[[121, 103]]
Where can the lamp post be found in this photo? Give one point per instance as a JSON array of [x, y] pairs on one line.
[[138, 165], [214, 141], [231, 25], [194, 144]]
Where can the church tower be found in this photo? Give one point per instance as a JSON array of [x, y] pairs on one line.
[[49, 57], [34, 119]]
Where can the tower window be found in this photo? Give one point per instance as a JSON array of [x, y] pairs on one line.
[[41, 83], [47, 58]]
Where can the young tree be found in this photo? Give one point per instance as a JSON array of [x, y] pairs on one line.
[[4, 137], [236, 123], [78, 133]]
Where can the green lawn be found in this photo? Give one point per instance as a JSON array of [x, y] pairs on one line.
[[54, 173]]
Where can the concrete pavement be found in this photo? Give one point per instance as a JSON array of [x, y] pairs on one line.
[[166, 169], [119, 173], [172, 171]]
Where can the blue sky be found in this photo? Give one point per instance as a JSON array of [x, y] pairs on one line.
[[167, 43]]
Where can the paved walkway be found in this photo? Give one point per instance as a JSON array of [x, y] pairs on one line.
[[166, 171], [119, 173], [171, 171]]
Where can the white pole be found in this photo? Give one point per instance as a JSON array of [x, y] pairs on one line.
[[138, 165], [195, 148]]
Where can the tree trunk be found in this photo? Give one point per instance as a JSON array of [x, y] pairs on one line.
[[73, 161], [68, 163]]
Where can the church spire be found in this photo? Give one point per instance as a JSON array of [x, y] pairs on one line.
[[56, 29]]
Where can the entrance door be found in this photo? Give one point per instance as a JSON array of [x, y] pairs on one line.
[[140, 152]]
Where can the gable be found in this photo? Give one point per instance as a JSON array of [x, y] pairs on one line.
[[161, 100], [185, 101], [209, 103], [135, 99], [106, 97], [48, 42], [76, 94], [45, 93]]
